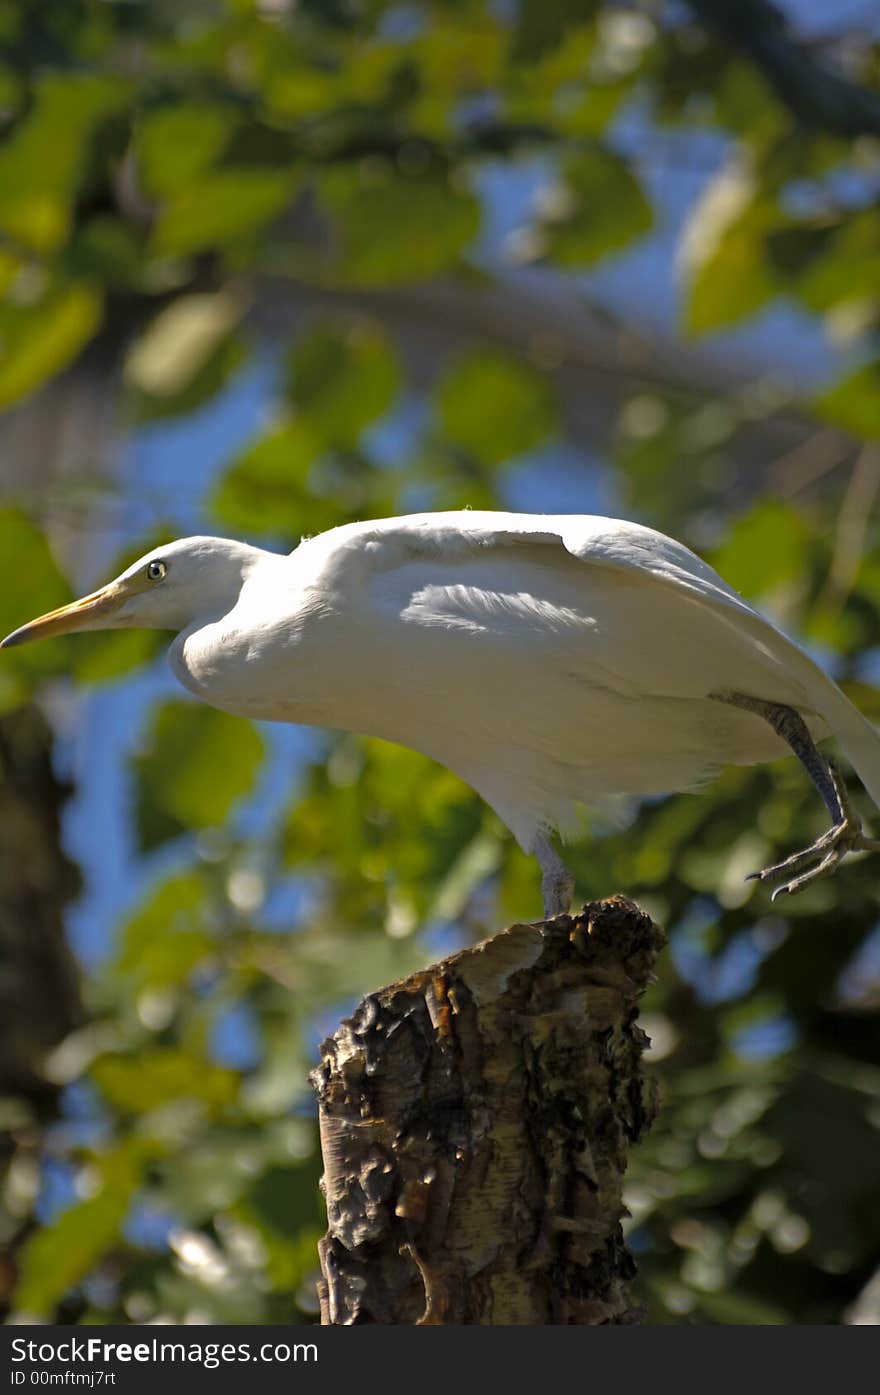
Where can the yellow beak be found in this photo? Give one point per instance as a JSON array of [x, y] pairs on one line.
[[78, 615]]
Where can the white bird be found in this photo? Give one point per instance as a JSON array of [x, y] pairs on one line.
[[548, 660]]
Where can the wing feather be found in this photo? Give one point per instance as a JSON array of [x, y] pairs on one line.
[[731, 638], [631, 550]]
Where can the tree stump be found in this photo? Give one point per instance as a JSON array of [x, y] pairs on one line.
[[475, 1124]]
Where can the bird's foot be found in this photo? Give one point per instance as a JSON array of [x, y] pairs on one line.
[[821, 858], [557, 883], [557, 889]]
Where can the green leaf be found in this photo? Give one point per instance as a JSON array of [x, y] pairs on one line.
[[167, 937], [729, 274], [176, 144], [34, 583], [745, 102], [765, 548], [591, 113], [194, 764], [187, 353], [33, 586], [543, 24], [109, 654], [343, 380], [845, 267], [220, 208], [107, 251], [854, 402], [601, 209], [266, 490], [495, 407], [42, 160], [284, 1208], [55, 1257], [37, 341], [285, 486], [155, 1077], [383, 817], [395, 230]]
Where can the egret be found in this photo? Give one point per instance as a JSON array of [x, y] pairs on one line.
[[549, 660]]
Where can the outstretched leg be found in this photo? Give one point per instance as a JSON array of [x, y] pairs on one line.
[[845, 834], [557, 883]]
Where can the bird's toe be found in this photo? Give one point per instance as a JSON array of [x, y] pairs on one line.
[[820, 859], [822, 869]]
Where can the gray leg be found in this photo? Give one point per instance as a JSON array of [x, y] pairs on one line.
[[557, 883], [845, 834]]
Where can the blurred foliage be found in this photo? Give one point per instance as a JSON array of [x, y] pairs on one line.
[[163, 165], [193, 767]]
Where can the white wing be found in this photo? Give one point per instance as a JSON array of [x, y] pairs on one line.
[[659, 620]]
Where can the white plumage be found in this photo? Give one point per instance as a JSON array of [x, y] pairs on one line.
[[549, 660]]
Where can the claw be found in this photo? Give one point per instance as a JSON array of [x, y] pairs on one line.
[[826, 853], [845, 834]]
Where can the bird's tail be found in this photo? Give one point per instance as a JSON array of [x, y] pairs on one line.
[[859, 739]]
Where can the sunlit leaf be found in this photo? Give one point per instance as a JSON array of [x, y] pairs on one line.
[[167, 937], [219, 208], [186, 354], [384, 816], [42, 160], [154, 1077], [176, 143], [600, 208], [495, 407], [37, 341], [179, 340], [395, 230], [728, 273], [266, 489], [60, 1254], [766, 547]]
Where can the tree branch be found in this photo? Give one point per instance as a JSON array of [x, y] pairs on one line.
[[476, 1119], [813, 93]]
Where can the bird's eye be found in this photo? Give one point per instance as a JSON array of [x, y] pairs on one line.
[[156, 571]]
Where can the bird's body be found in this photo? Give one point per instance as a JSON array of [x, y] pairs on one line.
[[550, 661]]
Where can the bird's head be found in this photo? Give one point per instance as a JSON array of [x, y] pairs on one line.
[[166, 589]]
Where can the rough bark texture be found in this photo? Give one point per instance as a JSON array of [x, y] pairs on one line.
[[475, 1123], [39, 980]]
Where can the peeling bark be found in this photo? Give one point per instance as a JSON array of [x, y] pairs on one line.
[[476, 1119]]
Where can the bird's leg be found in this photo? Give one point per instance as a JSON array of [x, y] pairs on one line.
[[557, 883], [845, 834]]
